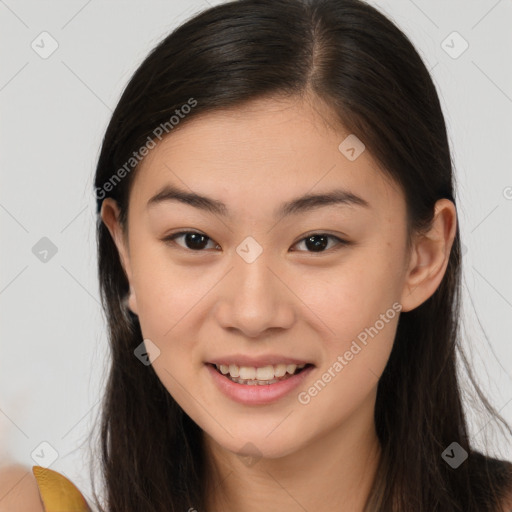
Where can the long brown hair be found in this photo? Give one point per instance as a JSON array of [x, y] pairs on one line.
[[354, 59]]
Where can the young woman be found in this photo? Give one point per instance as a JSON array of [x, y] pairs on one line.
[[280, 264]]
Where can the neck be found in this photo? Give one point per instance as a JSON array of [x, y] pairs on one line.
[[333, 472]]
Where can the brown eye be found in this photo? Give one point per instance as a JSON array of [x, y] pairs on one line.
[[193, 240], [317, 242]]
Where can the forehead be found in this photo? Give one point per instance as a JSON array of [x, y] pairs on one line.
[[269, 150]]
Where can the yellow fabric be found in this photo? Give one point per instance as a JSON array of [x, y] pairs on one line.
[[58, 493]]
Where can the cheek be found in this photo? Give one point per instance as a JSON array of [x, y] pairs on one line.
[[172, 302], [351, 364], [357, 310], [352, 295], [165, 291], [166, 303]]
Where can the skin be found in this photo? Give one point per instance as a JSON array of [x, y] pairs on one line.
[[292, 300], [18, 489]]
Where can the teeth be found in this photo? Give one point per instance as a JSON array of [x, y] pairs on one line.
[[291, 368], [280, 370], [256, 375], [247, 373], [265, 373]]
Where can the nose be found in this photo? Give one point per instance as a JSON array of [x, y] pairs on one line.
[[255, 298]]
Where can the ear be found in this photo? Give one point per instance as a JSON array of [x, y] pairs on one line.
[[429, 256], [110, 216]]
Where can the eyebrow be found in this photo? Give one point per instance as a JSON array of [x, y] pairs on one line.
[[298, 205]]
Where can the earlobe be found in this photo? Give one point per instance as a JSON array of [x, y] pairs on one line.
[[430, 256], [130, 302]]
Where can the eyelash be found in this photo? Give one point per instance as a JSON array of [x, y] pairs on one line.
[[341, 242]]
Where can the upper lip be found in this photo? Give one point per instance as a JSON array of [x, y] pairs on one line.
[[256, 362]]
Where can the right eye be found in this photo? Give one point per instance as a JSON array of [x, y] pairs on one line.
[[193, 240]]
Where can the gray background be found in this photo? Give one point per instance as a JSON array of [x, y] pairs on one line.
[[54, 113]]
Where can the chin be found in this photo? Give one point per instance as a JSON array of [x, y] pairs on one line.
[[258, 446]]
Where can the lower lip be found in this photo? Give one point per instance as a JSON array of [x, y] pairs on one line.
[[256, 394]]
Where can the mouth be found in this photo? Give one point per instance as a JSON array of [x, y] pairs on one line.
[[259, 376]]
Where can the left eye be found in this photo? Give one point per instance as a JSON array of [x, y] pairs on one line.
[[320, 241], [197, 241]]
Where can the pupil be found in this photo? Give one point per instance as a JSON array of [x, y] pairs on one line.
[[192, 240], [316, 245]]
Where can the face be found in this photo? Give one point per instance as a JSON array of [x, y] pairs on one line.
[[254, 284]]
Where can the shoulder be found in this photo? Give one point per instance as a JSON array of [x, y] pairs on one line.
[[505, 474], [502, 475], [19, 489], [507, 501], [38, 489], [489, 472], [506, 504]]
